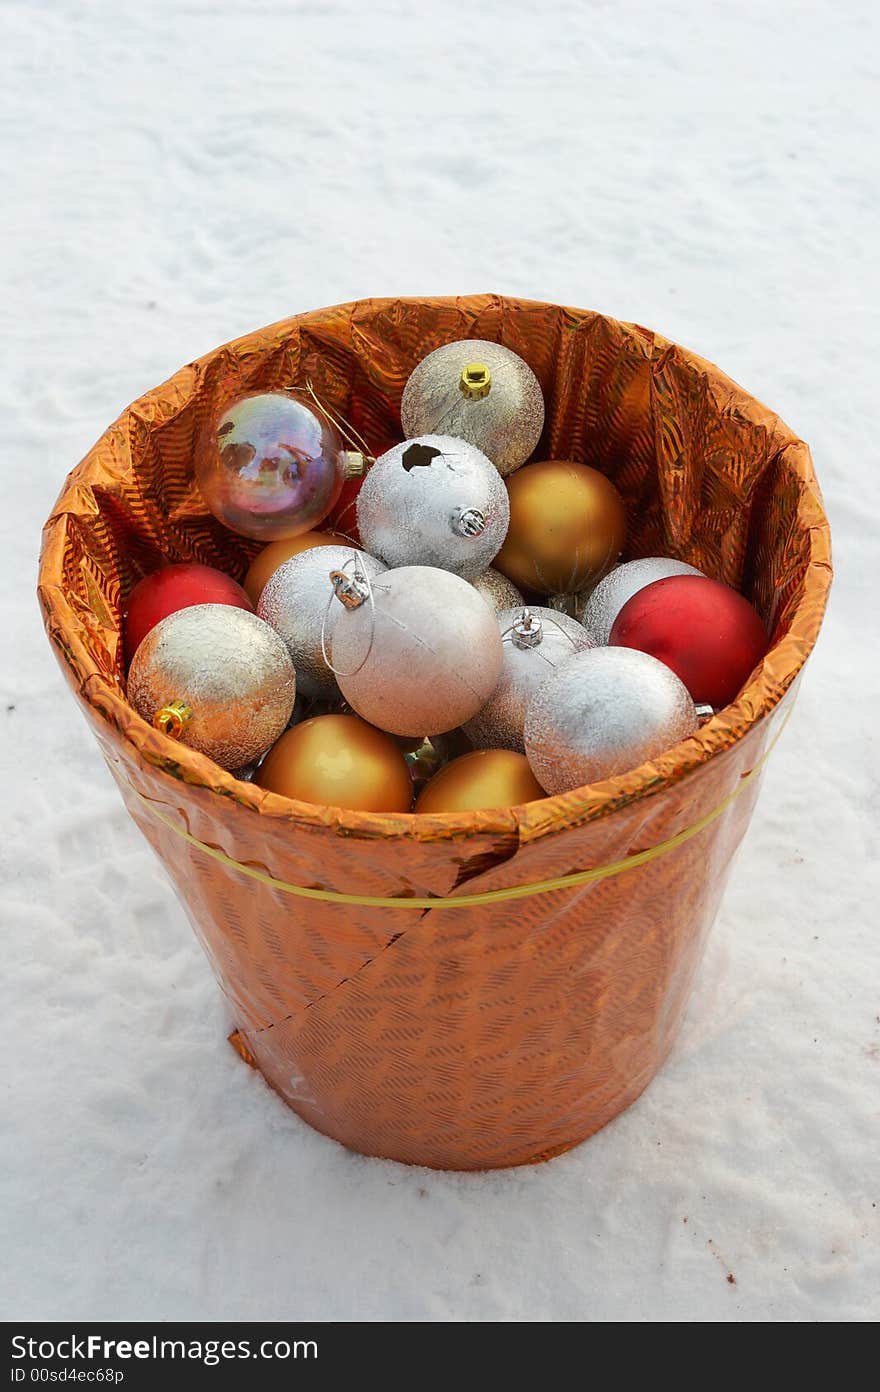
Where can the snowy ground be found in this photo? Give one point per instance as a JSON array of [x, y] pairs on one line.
[[176, 174]]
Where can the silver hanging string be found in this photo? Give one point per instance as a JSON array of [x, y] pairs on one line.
[[507, 633], [360, 576]]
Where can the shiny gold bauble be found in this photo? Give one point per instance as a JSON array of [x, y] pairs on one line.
[[485, 778], [216, 678], [267, 561], [338, 761], [567, 527]]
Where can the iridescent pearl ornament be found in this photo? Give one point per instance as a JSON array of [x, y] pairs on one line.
[[272, 466]]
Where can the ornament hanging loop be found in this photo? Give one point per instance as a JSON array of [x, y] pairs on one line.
[[475, 382], [173, 719], [352, 591]]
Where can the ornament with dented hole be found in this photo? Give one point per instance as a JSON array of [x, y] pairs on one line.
[[434, 501], [416, 651]]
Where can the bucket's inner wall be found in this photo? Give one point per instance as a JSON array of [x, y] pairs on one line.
[[701, 467]]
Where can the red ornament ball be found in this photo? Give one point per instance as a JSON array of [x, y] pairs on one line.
[[706, 632], [176, 587]]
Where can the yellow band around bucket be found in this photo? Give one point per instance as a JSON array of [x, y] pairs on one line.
[[491, 896]]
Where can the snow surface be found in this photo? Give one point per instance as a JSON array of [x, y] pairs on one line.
[[177, 174]]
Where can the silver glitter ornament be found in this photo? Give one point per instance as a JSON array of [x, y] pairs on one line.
[[498, 592], [434, 501], [601, 713], [296, 601], [606, 600], [216, 678], [480, 392], [535, 642], [418, 653]]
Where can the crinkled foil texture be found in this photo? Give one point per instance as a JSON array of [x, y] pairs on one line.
[[489, 1035]]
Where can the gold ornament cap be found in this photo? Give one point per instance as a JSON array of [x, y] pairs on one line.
[[354, 464], [173, 719], [475, 381]]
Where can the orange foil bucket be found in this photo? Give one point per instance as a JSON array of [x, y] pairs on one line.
[[466, 990]]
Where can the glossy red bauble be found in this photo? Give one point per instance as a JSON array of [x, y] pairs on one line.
[[708, 634], [176, 587]]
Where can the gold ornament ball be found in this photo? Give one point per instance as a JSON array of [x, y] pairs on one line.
[[217, 679], [567, 527], [338, 761], [267, 561], [485, 778]]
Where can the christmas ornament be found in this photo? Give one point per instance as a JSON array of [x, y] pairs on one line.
[[706, 632], [425, 756], [338, 761], [535, 642], [176, 587], [216, 678], [434, 501], [267, 561], [567, 527], [485, 778], [295, 601], [479, 392], [273, 465], [603, 712], [607, 599], [417, 651], [498, 592]]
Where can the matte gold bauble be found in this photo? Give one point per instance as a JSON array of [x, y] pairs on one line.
[[485, 778], [338, 761], [567, 527], [265, 564]]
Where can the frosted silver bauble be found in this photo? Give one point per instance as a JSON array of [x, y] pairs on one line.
[[603, 712], [296, 602], [535, 642], [606, 600], [217, 679], [498, 592], [419, 656], [434, 501], [480, 392]]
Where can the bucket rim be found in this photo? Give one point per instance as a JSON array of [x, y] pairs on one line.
[[103, 691]]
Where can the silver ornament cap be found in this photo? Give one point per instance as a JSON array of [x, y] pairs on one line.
[[478, 391], [435, 501], [296, 601], [603, 712], [535, 641], [217, 679]]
